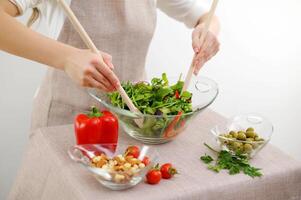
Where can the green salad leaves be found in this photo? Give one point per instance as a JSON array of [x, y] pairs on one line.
[[234, 163], [156, 97]]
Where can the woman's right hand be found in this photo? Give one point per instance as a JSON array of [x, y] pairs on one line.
[[86, 69]]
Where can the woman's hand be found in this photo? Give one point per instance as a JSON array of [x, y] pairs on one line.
[[205, 51], [83, 66], [86, 69]]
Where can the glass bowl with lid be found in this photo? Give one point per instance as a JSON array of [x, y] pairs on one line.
[[157, 129]]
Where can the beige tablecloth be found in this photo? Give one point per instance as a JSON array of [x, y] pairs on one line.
[[48, 173]]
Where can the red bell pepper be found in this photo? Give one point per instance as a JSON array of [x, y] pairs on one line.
[[96, 128]]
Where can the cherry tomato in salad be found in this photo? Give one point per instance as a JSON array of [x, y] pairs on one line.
[[177, 95], [146, 160], [168, 171], [132, 151], [154, 175], [170, 129]]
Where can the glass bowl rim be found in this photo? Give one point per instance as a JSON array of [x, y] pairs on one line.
[[232, 119], [141, 115]]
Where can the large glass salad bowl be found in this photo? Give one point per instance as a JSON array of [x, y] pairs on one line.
[[159, 127]]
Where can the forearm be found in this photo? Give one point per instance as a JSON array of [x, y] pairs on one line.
[[17, 39], [214, 26]]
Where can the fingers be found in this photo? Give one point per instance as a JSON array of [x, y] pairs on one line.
[[108, 60], [93, 78], [196, 43], [101, 79], [198, 67], [107, 73], [204, 50], [209, 49], [203, 59], [209, 43], [200, 63], [91, 82], [91, 71]]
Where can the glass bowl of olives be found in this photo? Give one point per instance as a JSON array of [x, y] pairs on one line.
[[246, 134]]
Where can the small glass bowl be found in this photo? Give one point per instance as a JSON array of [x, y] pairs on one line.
[[261, 125], [158, 129], [84, 153]]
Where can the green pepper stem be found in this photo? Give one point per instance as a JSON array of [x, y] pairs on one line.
[[94, 112]]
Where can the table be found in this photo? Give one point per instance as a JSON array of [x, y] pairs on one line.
[[48, 173]]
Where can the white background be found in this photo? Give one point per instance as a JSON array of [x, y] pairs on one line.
[[258, 70]]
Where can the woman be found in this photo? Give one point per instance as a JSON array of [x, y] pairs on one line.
[[120, 29]]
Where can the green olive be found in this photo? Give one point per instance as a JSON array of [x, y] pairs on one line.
[[258, 139], [231, 132], [248, 148], [240, 148], [241, 136], [236, 145], [250, 139], [234, 135], [250, 129], [250, 134], [228, 136]]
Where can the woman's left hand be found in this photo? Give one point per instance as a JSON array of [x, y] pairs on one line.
[[205, 51]]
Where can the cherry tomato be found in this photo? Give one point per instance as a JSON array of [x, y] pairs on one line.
[[177, 95], [153, 176], [168, 171], [132, 151], [146, 160]]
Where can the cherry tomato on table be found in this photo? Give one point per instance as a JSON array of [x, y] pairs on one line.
[[154, 175], [168, 171]]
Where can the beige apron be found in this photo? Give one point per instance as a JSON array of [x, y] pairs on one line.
[[122, 28]]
